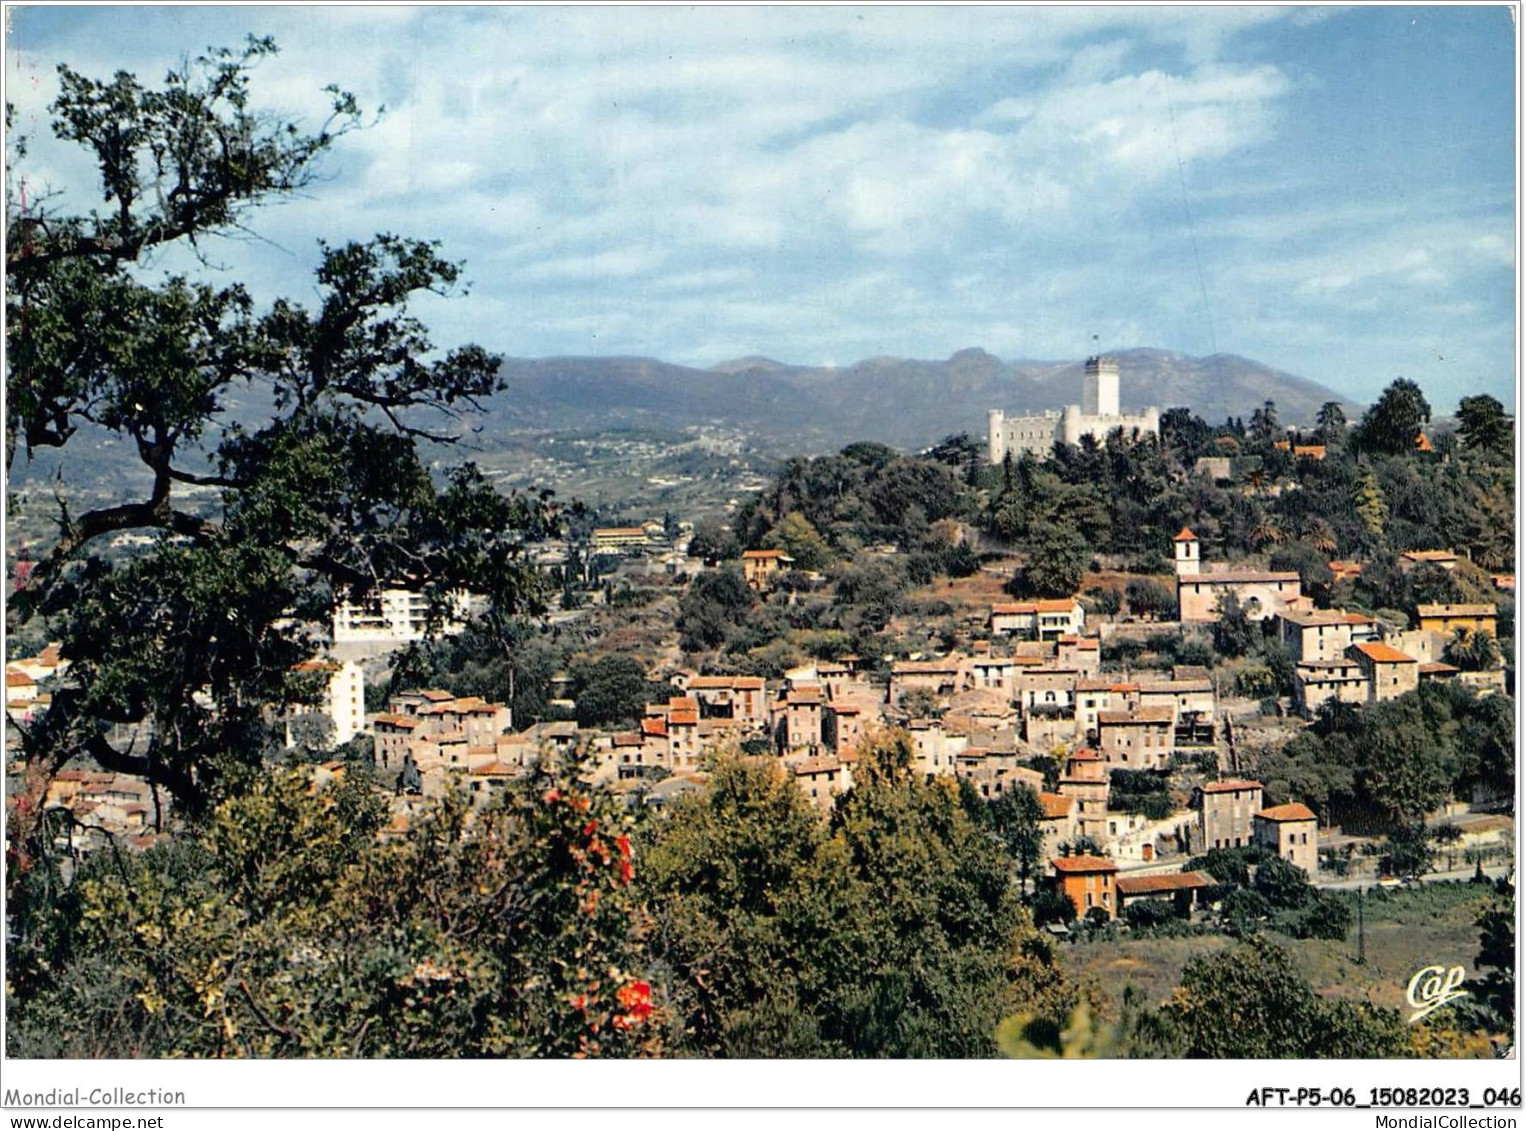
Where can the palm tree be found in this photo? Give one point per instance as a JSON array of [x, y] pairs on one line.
[[1321, 536], [1473, 651], [1266, 532]]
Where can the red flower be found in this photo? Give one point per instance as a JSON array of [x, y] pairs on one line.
[[636, 999], [627, 873], [623, 843], [552, 796], [590, 828]]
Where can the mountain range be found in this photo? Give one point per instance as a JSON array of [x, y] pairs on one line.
[[898, 401], [788, 409]]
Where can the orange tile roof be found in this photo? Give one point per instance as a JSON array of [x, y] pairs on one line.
[[1056, 605], [1292, 812], [1086, 755], [1014, 608], [1186, 536], [1056, 806], [1078, 865], [18, 679], [657, 727], [765, 555], [683, 718], [1423, 443], [1382, 653]]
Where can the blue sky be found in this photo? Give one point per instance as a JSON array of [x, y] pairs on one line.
[[1329, 191]]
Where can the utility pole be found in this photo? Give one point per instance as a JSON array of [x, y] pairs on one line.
[[1361, 928]]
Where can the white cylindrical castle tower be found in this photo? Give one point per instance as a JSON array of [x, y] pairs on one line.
[[996, 436], [1070, 425]]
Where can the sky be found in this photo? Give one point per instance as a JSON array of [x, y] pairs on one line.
[[1330, 191]]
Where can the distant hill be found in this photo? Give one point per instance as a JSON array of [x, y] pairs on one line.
[[904, 402]]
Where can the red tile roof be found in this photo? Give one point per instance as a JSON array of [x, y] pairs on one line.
[[1174, 881], [1080, 865], [1186, 536], [1292, 812], [1383, 653]]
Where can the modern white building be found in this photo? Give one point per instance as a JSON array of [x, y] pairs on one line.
[[394, 617], [344, 696], [1096, 416]]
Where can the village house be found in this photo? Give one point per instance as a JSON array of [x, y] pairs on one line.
[[1389, 672], [1185, 891], [1442, 559], [1292, 832], [1086, 779], [1448, 619], [1093, 696], [994, 773], [616, 539], [844, 728], [1088, 881], [940, 677], [1341, 680], [992, 673], [1226, 812], [1058, 822], [1142, 739], [1082, 654], [1047, 619], [1323, 635], [823, 779], [760, 567], [42, 667], [798, 720], [935, 752], [1342, 569], [1191, 703], [736, 699], [1315, 452]]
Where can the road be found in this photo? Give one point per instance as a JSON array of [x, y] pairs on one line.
[[1493, 871]]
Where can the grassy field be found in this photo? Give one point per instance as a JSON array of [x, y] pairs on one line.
[[1406, 929]]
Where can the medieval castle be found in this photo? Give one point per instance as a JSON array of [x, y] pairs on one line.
[[1096, 416]]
